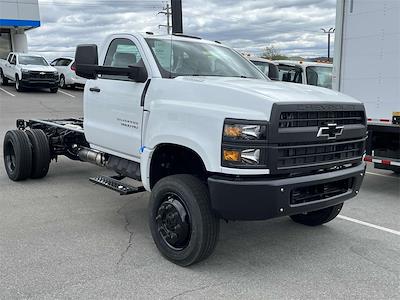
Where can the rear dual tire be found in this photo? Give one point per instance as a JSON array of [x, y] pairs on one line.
[[26, 154], [40, 153]]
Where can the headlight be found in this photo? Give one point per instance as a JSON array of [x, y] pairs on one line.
[[244, 131], [244, 144], [24, 71]]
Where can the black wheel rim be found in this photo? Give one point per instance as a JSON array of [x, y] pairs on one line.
[[10, 159], [173, 222]]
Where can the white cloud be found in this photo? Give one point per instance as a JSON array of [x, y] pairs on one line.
[[293, 26]]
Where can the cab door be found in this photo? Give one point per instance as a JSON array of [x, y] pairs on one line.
[[9, 67], [113, 111]]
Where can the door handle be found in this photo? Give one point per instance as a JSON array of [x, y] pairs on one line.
[[95, 89]]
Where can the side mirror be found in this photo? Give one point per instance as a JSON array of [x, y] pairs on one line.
[[87, 66], [86, 60]]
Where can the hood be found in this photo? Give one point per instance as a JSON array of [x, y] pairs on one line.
[[38, 68], [276, 91]]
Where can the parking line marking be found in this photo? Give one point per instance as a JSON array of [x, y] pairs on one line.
[[12, 95], [69, 95], [383, 175], [369, 225]]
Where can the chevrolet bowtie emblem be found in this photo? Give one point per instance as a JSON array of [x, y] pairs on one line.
[[42, 73], [331, 131]]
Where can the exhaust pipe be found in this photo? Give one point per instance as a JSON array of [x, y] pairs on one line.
[[91, 156]]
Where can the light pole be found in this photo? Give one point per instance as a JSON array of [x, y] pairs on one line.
[[329, 32]]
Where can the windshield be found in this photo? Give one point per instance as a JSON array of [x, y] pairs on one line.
[[32, 60], [184, 58], [320, 76]]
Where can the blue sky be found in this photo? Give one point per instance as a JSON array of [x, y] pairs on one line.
[[292, 26]]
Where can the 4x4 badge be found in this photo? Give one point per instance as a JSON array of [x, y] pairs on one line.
[[331, 131]]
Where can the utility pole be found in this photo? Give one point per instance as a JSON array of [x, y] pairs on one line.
[[166, 11], [329, 32], [177, 17]]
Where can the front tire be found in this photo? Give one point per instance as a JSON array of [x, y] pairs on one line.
[[319, 217], [18, 86], [54, 90], [183, 226], [40, 153], [17, 155]]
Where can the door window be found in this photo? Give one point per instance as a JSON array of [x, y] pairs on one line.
[[290, 74], [122, 53], [13, 60], [63, 62]]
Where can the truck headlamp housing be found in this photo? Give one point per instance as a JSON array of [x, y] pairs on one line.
[[244, 131], [244, 144]]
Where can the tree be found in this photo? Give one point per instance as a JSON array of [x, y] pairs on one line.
[[270, 52]]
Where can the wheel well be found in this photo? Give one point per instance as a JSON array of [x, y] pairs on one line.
[[170, 159]]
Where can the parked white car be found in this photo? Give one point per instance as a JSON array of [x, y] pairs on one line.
[[66, 68], [311, 73], [28, 71]]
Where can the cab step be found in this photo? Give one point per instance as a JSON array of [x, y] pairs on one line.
[[114, 183]]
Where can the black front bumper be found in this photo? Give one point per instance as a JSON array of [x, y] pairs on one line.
[[261, 199], [33, 83]]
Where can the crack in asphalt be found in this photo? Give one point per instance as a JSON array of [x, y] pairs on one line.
[[130, 241], [375, 263]]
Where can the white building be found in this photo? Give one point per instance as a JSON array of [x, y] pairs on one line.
[[16, 17]]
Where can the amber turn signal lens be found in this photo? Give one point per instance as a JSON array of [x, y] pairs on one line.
[[230, 155], [232, 131]]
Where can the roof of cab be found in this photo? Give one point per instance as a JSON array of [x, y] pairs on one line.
[[180, 37]]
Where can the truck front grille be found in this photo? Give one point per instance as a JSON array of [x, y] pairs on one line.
[[306, 155], [320, 191], [41, 75], [320, 118]]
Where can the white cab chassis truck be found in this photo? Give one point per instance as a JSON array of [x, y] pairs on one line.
[[367, 66], [207, 133]]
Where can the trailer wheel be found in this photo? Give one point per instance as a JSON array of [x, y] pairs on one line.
[[319, 217], [17, 155], [40, 153], [183, 226], [4, 80]]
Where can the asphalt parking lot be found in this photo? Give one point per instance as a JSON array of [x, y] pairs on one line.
[[62, 237]]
